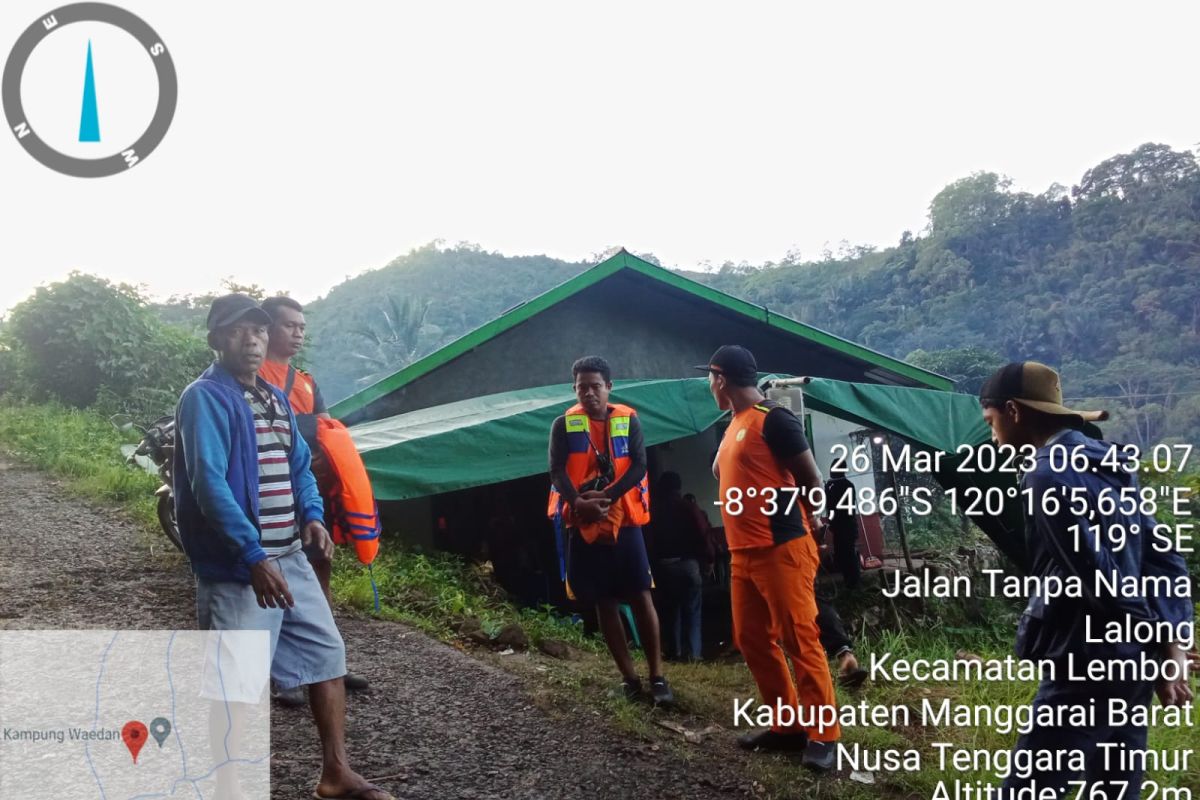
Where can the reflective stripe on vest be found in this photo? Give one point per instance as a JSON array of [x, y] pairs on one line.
[[350, 508]]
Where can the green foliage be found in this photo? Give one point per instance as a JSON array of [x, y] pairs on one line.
[[436, 592], [393, 340], [79, 335], [12, 370], [968, 367], [83, 447], [1150, 169], [85, 339], [190, 311]]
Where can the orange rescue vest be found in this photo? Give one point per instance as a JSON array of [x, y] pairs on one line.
[[350, 502], [581, 466], [761, 483]]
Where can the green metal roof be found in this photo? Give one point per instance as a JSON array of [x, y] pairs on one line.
[[627, 261]]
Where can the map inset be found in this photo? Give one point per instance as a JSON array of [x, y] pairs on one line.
[[135, 715]]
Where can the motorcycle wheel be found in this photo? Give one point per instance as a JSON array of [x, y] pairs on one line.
[[166, 518]]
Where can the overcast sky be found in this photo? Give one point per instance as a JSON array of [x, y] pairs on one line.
[[309, 146]]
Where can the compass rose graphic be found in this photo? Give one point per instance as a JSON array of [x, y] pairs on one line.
[[94, 153]]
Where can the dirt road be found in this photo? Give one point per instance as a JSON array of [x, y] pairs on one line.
[[436, 724]]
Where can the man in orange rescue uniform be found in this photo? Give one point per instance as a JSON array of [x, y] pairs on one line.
[[599, 500], [763, 460], [287, 338]]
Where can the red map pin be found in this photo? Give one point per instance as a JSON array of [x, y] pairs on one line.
[[134, 734]]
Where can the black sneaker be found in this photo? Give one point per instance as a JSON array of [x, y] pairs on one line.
[[819, 755], [355, 682], [660, 690], [294, 697], [767, 739], [631, 688]]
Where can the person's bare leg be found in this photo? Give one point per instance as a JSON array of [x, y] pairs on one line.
[[328, 701], [324, 569], [609, 614], [225, 724], [647, 622]]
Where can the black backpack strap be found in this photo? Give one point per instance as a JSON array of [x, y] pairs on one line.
[[291, 381]]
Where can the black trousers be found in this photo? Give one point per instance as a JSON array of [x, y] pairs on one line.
[[834, 638], [845, 554], [1110, 780]]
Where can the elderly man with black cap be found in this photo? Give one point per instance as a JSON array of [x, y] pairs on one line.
[[1080, 526], [246, 502], [766, 470]]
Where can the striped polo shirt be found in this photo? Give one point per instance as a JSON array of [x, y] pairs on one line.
[[276, 503]]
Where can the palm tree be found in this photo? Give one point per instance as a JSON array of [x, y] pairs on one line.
[[394, 340]]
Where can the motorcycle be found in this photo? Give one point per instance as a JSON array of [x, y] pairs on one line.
[[158, 448]]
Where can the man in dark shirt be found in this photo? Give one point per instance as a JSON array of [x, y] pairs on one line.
[[599, 498], [680, 547], [1065, 486], [843, 522]]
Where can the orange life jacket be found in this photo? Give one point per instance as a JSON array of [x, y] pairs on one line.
[[350, 502], [581, 466], [748, 466]]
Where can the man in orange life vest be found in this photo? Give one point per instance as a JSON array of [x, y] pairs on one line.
[[287, 337], [599, 496], [774, 556]]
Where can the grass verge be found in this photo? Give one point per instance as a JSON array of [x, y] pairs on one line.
[[82, 447]]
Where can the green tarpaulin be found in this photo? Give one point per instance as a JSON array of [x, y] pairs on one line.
[[936, 420], [500, 437], [930, 420]]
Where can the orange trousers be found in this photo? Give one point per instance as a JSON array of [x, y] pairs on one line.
[[775, 613]]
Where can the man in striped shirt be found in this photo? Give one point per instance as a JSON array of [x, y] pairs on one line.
[[247, 503]]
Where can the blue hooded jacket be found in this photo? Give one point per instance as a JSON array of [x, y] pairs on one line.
[[1051, 628], [216, 477]]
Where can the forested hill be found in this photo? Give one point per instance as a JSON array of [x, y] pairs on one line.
[[1101, 280]]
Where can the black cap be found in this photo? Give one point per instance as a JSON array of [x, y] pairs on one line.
[[230, 308], [734, 362]]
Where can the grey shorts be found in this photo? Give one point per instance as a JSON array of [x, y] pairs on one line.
[[305, 644]]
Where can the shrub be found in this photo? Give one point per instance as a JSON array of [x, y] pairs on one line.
[[86, 339]]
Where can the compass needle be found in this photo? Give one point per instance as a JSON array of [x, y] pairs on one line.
[[89, 118]]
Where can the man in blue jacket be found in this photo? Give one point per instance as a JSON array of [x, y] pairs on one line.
[[247, 504], [1084, 525]]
